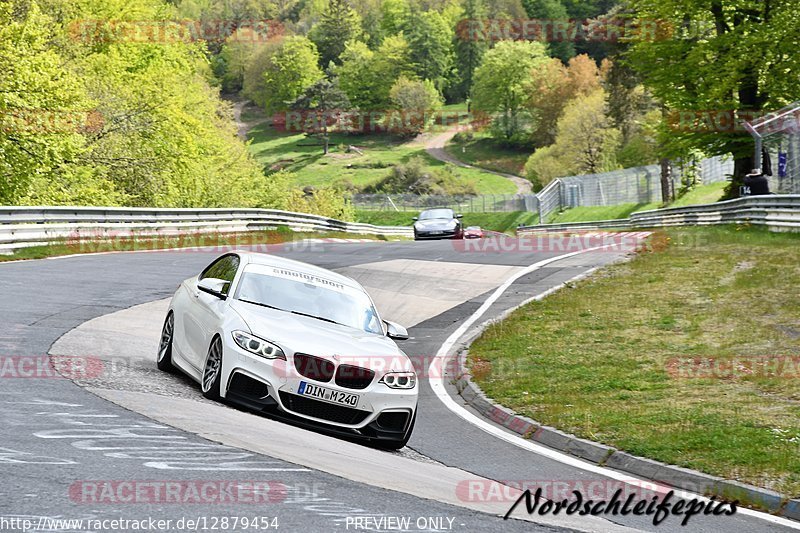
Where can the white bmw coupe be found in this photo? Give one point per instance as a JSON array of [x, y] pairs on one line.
[[299, 341]]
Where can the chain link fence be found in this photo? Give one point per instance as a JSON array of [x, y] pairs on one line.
[[640, 185], [780, 138]]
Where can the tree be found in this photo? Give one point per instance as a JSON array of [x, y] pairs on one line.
[[394, 14], [339, 25], [430, 41], [417, 100], [727, 55], [586, 135], [550, 10], [586, 143], [326, 99], [367, 77], [231, 63], [500, 85], [287, 72], [551, 88], [469, 51]]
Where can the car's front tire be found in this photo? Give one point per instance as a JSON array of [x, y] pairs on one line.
[[164, 358], [212, 371]]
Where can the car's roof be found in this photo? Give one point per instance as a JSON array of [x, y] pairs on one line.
[[257, 258]]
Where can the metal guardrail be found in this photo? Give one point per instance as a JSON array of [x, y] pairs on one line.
[[777, 212], [30, 226]]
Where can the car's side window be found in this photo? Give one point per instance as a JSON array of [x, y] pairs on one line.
[[223, 268]]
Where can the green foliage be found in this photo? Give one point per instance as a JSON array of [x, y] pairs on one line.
[[325, 97], [430, 40], [112, 122], [468, 52], [415, 178], [231, 64], [287, 72], [329, 202], [394, 13], [367, 76], [339, 25], [551, 10], [415, 96], [642, 146], [500, 85], [731, 55], [586, 143], [36, 95]]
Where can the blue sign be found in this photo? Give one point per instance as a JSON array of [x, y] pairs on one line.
[[782, 163]]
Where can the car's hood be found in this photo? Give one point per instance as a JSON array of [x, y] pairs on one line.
[[297, 333], [444, 223]]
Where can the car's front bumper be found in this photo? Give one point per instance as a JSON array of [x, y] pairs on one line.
[[271, 385], [438, 234]]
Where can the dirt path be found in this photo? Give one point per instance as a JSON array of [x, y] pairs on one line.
[[435, 144], [241, 127]]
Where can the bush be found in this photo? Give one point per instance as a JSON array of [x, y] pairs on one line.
[[414, 177], [328, 202], [463, 137]]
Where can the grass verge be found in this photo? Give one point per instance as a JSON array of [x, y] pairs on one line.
[[502, 222], [671, 356], [379, 152], [485, 152], [604, 212], [280, 235]]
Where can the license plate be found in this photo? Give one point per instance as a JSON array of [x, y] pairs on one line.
[[327, 395], [437, 232]]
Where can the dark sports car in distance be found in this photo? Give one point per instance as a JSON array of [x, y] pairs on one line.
[[440, 223]]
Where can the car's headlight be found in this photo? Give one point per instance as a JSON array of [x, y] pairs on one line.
[[258, 346], [400, 380]]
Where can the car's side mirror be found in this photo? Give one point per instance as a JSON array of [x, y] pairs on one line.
[[459, 216], [214, 286], [395, 331], [415, 218]]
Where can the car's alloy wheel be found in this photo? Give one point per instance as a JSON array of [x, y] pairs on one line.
[[164, 359], [212, 371]]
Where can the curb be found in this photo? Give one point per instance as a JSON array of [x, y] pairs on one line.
[[683, 478]]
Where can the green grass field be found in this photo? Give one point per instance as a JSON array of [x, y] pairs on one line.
[[622, 357], [303, 156], [485, 152], [502, 222]]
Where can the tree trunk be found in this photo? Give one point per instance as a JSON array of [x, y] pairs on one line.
[[667, 191]]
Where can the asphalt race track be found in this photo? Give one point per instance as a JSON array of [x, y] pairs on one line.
[[63, 441]]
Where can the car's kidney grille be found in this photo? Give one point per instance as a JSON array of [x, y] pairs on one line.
[[354, 377], [322, 410], [314, 368]]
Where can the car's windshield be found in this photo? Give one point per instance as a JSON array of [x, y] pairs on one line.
[[436, 213], [308, 294]]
